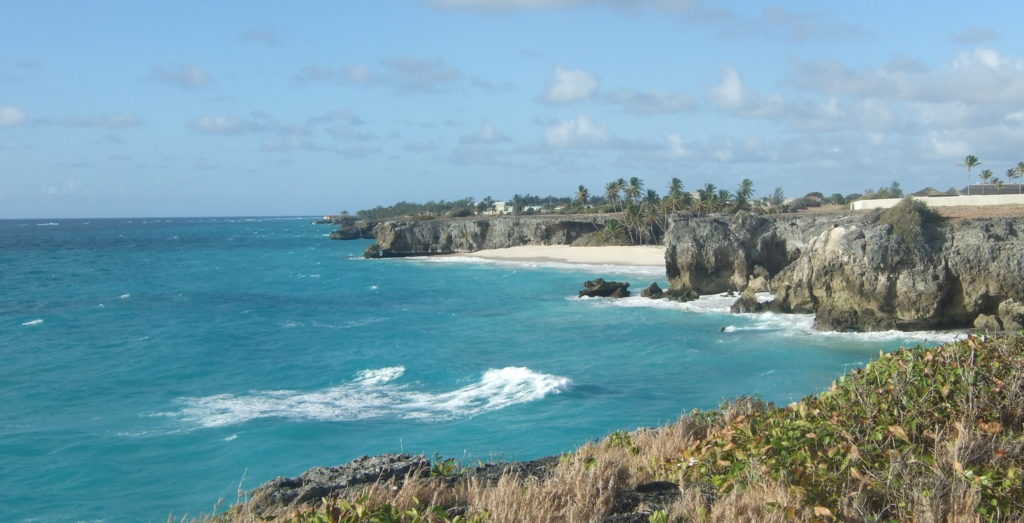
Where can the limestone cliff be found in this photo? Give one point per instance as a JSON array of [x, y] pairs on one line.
[[448, 236], [852, 271]]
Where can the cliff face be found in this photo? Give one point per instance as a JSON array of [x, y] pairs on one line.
[[852, 271], [418, 238]]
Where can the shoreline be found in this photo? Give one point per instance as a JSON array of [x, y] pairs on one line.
[[631, 256]]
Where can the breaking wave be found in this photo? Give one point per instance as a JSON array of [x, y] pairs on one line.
[[373, 394]]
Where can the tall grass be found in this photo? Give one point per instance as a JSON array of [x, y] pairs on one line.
[[922, 434]]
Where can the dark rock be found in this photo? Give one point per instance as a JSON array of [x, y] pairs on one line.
[[653, 291], [605, 289], [284, 493], [372, 251], [682, 295], [988, 322], [1011, 313], [747, 302], [490, 473]]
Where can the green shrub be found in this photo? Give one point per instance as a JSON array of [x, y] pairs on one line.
[[908, 218]]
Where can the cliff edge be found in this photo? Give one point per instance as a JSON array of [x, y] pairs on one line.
[[855, 271], [397, 238]]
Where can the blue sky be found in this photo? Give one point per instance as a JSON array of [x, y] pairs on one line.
[[131, 108]]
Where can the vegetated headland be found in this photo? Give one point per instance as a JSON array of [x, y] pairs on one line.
[[907, 267], [921, 434]]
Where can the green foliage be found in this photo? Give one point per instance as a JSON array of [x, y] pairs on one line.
[[908, 218], [359, 511], [892, 191], [912, 419], [460, 212], [622, 439], [658, 516], [448, 468], [424, 210]]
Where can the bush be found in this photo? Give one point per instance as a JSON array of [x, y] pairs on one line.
[[908, 218], [461, 212]]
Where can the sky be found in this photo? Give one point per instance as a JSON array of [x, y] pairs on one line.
[[246, 108]]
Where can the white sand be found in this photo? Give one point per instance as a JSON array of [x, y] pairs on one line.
[[645, 255]]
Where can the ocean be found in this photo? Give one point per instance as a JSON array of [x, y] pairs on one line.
[[158, 366]]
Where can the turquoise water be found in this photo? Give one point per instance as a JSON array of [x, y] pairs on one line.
[[151, 367]]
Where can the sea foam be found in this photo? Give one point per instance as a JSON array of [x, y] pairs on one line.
[[33, 322], [769, 322], [373, 394]]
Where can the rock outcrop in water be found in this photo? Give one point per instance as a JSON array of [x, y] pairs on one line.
[[354, 230], [419, 238], [604, 289], [852, 271]]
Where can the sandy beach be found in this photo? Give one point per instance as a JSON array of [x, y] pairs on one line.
[[645, 255]]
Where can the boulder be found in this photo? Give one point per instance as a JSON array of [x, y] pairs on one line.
[[987, 322], [605, 289], [747, 302], [1011, 313], [372, 251], [652, 291], [281, 494]]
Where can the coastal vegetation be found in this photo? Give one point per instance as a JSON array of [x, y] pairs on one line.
[[920, 434], [908, 219]]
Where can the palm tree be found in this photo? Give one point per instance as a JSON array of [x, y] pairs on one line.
[[635, 189], [999, 184], [1011, 173], [985, 176], [611, 193], [706, 197], [1019, 171], [582, 196], [970, 161], [675, 187], [722, 199], [744, 193]]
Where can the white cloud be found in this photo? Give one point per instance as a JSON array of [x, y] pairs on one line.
[[358, 74], [486, 135], [974, 36], [731, 95], [651, 102], [186, 76], [979, 77], [11, 116], [219, 124], [578, 132], [413, 74], [677, 147], [569, 85]]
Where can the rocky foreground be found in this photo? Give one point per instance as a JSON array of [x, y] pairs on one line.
[[923, 434]]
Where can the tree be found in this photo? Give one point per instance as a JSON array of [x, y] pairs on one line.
[[635, 189], [777, 198], [611, 193], [582, 196], [985, 176], [1018, 171], [970, 161], [744, 193]]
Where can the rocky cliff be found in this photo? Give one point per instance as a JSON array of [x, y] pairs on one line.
[[449, 236], [854, 271]]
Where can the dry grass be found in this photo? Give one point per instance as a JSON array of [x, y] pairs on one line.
[[918, 435]]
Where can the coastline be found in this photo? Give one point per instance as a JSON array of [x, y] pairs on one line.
[[634, 255]]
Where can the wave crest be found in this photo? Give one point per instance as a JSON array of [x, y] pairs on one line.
[[372, 394]]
